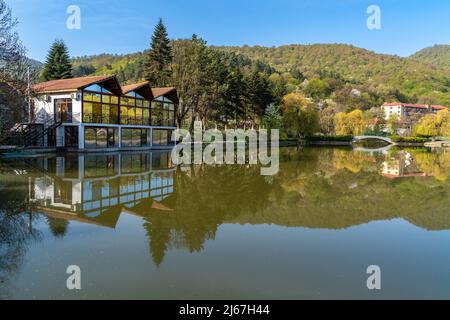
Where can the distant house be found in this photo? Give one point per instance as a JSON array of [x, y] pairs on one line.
[[405, 111], [408, 114], [97, 113]]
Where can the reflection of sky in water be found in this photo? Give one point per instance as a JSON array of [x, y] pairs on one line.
[[227, 232]]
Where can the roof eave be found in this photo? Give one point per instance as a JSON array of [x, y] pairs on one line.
[[39, 92]]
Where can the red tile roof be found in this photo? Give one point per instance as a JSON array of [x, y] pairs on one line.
[[67, 85], [109, 81], [169, 92], [158, 92], [418, 106], [133, 87]]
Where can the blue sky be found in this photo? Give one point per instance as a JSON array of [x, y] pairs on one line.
[[119, 26]]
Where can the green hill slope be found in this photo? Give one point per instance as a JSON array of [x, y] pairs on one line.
[[438, 55], [418, 78], [377, 72]]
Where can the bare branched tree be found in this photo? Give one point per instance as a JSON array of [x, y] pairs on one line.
[[14, 68]]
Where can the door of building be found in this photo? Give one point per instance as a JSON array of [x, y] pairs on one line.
[[63, 110]]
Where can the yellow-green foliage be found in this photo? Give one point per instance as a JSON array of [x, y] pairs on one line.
[[438, 55], [443, 119], [383, 74], [380, 77], [300, 116], [353, 123], [434, 125]]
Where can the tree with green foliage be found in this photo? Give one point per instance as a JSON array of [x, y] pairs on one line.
[[427, 127], [297, 74], [259, 94], [300, 116], [353, 123], [84, 70], [190, 76], [279, 87], [272, 118], [214, 88], [317, 89], [393, 124], [159, 58], [326, 120], [58, 65], [341, 124], [443, 119], [382, 76]]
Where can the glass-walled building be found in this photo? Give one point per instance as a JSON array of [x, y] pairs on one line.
[[97, 113]]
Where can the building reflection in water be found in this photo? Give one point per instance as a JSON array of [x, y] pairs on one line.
[[402, 165], [97, 189]]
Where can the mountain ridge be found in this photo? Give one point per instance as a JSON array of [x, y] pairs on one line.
[[418, 77], [437, 55]]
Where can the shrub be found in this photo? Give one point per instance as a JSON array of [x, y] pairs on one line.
[[332, 138], [399, 139]]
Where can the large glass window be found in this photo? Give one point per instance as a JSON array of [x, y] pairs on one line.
[[100, 106], [135, 138], [162, 137], [163, 113], [100, 138], [134, 110], [157, 113]]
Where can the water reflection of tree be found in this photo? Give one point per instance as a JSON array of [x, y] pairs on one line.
[[16, 234], [205, 198], [58, 227], [435, 163], [315, 188], [348, 193]]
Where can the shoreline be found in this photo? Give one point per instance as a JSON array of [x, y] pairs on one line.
[[33, 152]]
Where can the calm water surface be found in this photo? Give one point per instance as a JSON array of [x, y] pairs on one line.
[[141, 228]]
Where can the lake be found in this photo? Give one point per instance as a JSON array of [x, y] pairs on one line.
[[139, 227]]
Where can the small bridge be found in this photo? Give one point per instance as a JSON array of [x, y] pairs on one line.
[[385, 139], [374, 151]]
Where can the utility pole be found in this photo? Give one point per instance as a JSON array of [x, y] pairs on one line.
[[30, 111]]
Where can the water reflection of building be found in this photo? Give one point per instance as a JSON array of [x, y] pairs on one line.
[[401, 166], [99, 188]]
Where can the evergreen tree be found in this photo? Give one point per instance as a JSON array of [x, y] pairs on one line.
[[259, 94], [159, 58], [57, 65]]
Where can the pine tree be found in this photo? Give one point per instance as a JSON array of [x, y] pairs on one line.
[[57, 65], [159, 58]]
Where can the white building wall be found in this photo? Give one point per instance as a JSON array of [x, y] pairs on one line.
[[44, 110], [393, 110], [76, 192], [43, 189], [44, 106]]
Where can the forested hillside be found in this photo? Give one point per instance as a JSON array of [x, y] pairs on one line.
[[130, 68], [438, 55], [336, 70], [379, 73]]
